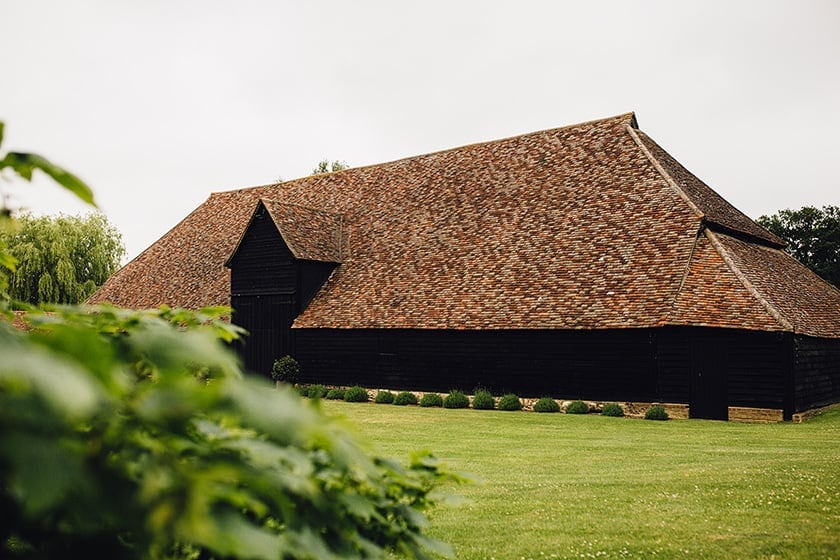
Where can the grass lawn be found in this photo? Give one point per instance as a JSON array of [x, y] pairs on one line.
[[568, 486]]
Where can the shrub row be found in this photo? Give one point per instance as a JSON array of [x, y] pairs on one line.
[[482, 400]]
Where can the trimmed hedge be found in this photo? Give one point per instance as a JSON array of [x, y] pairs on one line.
[[335, 394], [577, 407], [384, 397], [656, 412], [456, 399], [431, 399], [483, 400], [405, 397], [317, 392], [510, 402], [356, 393], [612, 409], [546, 404]]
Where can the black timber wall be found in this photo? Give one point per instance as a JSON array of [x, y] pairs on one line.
[[816, 372], [753, 368], [609, 365]]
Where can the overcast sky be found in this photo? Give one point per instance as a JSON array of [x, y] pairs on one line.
[[158, 103]]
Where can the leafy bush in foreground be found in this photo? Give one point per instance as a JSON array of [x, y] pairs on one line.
[[546, 404], [405, 397], [356, 393], [483, 400], [431, 399], [656, 412], [384, 397], [456, 399], [114, 426], [577, 407], [510, 402], [335, 394], [612, 409]]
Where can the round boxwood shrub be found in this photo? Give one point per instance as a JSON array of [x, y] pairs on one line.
[[510, 402], [384, 397], [404, 398], [456, 399], [612, 409], [431, 399], [335, 394], [317, 392], [656, 412], [286, 370], [577, 407], [303, 390], [483, 400], [546, 404], [356, 393]]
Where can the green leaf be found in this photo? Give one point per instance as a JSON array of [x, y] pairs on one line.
[[23, 164], [2, 127]]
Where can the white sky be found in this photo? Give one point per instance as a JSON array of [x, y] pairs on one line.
[[158, 103]]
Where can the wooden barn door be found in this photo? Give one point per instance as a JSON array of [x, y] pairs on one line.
[[268, 319], [708, 387]]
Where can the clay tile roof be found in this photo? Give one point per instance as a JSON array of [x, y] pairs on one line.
[[589, 226]]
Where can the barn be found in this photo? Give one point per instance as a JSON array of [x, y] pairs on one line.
[[578, 262]]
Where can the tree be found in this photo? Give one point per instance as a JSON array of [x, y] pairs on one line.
[[325, 166], [135, 434], [61, 259], [813, 237]]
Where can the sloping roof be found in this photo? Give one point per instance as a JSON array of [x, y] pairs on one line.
[[586, 226]]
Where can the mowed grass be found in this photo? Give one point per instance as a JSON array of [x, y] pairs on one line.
[[568, 486]]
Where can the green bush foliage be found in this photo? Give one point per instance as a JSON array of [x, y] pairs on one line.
[[286, 370], [577, 407], [130, 434], [656, 412], [317, 391], [456, 399], [483, 400], [510, 402], [431, 399], [405, 397], [384, 397], [546, 404], [356, 393], [335, 394], [612, 409]]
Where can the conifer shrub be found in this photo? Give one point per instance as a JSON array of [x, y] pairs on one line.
[[483, 400], [405, 397], [317, 391], [510, 402], [612, 409], [431, 399], [335, 394], [384, 397], [577, 407], [546, 404], [656, 412], [456, 399], [356, 393]]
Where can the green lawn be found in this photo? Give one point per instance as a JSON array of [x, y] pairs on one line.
[[567, 486]]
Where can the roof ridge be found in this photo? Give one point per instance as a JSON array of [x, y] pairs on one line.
[[630, 117], [302, 206], [665, 175], [769, 307]]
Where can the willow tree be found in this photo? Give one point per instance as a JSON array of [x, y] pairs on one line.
[[61, 259]]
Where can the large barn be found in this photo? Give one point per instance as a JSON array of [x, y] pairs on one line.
[[579, 262]]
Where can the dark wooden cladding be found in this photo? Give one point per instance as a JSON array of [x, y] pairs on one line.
[[816, 372], [262, 264]]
